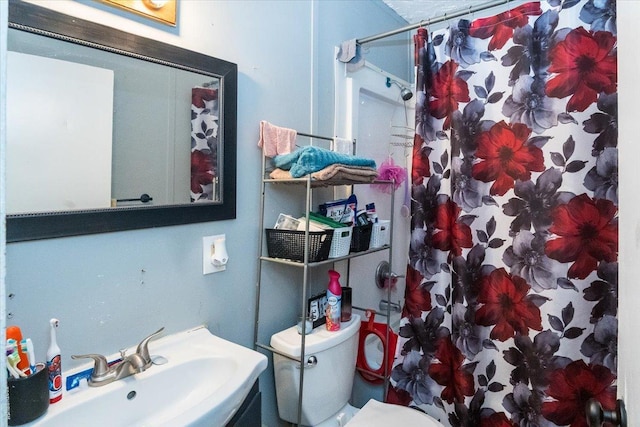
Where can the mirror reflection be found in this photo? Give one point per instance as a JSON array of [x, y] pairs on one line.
[[138, 134], [94, 129]]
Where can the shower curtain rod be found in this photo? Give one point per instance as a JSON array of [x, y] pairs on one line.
[[428, 22]]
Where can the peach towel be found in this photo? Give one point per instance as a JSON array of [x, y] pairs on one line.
[[276, 140], [335, 171]]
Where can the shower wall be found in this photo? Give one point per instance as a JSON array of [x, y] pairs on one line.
[[379, 121], [370, 113]]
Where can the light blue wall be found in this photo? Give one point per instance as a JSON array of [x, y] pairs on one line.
[[111, 290]]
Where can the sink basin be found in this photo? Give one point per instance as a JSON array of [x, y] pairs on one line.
[[199, 380]]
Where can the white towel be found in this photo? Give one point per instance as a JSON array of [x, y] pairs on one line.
[[343, 145]]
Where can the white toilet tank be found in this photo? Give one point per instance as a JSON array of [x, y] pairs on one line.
[[327, 384]]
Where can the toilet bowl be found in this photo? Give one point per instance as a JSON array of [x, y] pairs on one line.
[[378, 414], [374, 350]]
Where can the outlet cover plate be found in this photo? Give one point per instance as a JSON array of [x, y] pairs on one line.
[[207, 252]]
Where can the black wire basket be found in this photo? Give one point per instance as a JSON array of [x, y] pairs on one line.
[[361, 237], [289, 244]]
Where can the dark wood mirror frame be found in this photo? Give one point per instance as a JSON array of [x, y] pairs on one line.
[[34, 226]]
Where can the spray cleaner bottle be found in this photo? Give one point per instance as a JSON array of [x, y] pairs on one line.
[[54, 365], [334, 299]]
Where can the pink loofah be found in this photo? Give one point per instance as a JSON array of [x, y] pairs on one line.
[[388, 171]]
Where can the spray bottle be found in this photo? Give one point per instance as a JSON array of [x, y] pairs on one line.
[[54, 365], [334, 297]]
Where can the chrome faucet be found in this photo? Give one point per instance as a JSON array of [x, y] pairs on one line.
[[135, 363]]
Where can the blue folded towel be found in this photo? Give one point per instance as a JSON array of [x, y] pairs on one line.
[[311, 159]]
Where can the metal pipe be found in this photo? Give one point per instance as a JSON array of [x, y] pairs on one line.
[[432, 21]]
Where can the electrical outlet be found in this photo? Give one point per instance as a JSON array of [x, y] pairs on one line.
[[208, 248]]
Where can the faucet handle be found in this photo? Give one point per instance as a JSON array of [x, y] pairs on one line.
[[385, 305], [100, 367], [143, 347]]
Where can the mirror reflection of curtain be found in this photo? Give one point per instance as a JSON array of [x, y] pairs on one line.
[[510, 313], [204, 144]]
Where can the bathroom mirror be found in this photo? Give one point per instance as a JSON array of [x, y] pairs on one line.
[[166, 155]]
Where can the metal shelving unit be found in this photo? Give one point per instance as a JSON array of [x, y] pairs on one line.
[[310, 185]]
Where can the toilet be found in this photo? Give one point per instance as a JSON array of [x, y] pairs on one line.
[[328, 379]]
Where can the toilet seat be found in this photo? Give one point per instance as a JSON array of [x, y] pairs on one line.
[[369, 327], [378, 414]]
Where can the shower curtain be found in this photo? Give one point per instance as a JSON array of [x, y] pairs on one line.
[[510, 314], [204, 143]]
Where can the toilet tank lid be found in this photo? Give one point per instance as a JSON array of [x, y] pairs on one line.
[[289, 341]]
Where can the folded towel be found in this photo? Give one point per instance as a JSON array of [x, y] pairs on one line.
[[310, 159], [336, 172], [276, 140], [340, 171]]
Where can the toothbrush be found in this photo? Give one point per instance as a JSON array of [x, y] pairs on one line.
[[15, 374], [31, 355], [14, 332], [54, 365], [12, 362], [13, 357], [12, 371]]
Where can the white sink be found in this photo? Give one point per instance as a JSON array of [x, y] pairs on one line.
[[203, 383]]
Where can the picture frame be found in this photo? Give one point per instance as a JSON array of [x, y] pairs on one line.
[[164, 11], [316, 306]]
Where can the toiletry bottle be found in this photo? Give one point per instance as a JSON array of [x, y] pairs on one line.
[[334, 296], [371, 212], [346, 305], [54, 365]]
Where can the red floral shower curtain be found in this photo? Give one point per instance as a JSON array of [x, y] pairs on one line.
[[204, 143], [511, 297]]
